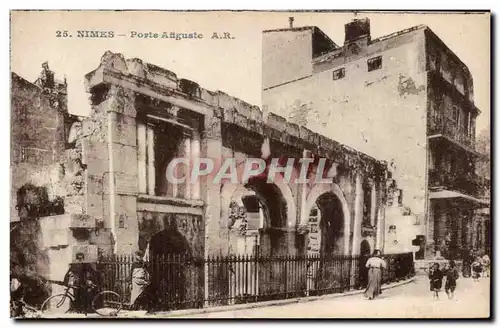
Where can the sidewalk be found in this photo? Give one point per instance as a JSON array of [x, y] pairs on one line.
[[406, 299], [249, 306], [413, 300]]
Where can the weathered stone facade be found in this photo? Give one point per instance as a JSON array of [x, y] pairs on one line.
[[144, 116], [117, 199]]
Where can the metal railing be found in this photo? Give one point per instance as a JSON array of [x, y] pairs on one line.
[[181, 281], [451, 129], [466, 182]]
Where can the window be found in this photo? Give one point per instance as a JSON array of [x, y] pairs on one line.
[[23, 154], [374, 63], [367, 204], [469, 124], [339, 74], [158, 143], [434, 61], [400, 197], [455, 114]]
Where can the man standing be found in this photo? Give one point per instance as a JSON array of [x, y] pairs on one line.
[[84, 280]]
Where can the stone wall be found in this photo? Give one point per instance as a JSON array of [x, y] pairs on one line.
[[114, 86], [186, 226], [38, 137]]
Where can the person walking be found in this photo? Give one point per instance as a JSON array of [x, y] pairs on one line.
[[375, 265], [476, 269], [140, 281], [451, 273], [436, 280], [486, 265], [466, 262]]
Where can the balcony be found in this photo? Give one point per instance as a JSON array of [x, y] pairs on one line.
[[445, 127], [467, 183]]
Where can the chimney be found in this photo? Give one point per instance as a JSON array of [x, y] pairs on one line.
[[290, 21], [357, 29]]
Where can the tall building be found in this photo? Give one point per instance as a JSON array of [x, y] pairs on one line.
[[405, 98]]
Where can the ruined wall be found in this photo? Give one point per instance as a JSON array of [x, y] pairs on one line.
[[381, 113], [37, 138], [189, 226]]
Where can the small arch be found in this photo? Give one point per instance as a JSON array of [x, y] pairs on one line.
[[168, 252], [365, 248], [323, 188]]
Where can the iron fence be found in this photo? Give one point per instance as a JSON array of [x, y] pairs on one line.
[[180, 281]]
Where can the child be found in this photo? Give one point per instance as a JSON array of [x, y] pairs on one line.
[[436, 280], [476, 269], [451, 279], [486, 265]]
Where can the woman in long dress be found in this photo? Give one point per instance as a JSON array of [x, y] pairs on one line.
[[375, 265]]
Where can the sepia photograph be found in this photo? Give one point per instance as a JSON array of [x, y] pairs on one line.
[[250, 164]]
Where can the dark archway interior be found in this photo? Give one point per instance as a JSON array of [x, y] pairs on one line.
[[171, 275], [364, 254], [169, 241], [272, 200], [273, 241], [332, 223], [365, 248]]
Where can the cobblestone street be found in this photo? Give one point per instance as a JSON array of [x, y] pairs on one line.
[[412, 300]]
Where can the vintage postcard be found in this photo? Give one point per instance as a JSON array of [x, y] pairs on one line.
[[250, 164]]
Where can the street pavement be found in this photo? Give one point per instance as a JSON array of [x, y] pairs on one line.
[[413, 300]]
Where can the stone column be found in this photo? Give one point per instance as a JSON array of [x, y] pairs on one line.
[[195, 154], [187, 169], [373, 204], [303, 219], [381, 229], [358, 213], [122, 170], [151, 169], [216, 230], [142, 165]]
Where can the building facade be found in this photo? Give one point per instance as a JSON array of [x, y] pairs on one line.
[[117, 199], [405, 98]]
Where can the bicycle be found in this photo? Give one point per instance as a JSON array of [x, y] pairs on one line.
[[105, 303]]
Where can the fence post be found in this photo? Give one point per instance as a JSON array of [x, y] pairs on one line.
[[206, 266]]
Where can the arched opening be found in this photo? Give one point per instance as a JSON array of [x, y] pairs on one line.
[[339, 209], [365, 248], [331, 224], [257, 214], [171, 273], [246, 217], [326, 240]]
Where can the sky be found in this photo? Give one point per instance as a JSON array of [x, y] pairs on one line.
[[231, 65]]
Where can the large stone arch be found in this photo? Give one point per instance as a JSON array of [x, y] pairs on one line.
[[315, 193], [229, 188]]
